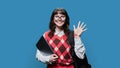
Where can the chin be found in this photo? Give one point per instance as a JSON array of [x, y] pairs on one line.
[[60, 25]]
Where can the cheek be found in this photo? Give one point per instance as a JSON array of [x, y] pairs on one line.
[[63, 19], [55, 18]]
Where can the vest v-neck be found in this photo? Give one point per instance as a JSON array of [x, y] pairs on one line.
[[59, 33], [60, 37]]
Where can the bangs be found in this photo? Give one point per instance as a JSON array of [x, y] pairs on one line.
[[59, 11]]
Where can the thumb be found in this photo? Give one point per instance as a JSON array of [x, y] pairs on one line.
[[54, 55], [74, 27]]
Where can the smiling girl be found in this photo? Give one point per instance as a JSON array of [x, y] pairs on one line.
[[58, 39]]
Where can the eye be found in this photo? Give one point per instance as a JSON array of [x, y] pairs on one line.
[[57, 16], [62, 16]]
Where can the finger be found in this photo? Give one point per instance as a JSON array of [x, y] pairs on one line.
[[78, 24], [54, 60], [82, 24], [55, 56], [85, 29], [74, 27]]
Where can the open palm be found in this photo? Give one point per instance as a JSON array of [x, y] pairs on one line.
[[80, 28]]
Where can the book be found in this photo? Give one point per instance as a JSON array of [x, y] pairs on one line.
[[44, 47]]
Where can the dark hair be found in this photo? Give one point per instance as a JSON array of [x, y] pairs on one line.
[[52, 25]]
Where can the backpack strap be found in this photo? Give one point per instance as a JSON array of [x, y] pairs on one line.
[[78, 63]]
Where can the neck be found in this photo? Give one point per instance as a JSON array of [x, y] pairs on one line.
[[58, 29]]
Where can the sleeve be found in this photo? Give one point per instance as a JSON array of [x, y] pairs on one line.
[[79, 48], [42, 58]]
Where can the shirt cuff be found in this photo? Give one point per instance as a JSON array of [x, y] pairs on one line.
[[42, 58]]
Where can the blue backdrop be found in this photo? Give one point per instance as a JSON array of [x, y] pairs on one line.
[[22, 22]]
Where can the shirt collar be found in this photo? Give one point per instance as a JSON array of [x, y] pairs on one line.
[[59, 33]]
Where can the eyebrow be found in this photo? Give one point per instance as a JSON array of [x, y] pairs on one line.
[[57, 15]]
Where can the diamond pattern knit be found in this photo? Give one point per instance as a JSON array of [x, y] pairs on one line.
[[60, 47]]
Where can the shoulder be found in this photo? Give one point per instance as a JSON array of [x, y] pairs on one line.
[[46, 33], [71, 32]]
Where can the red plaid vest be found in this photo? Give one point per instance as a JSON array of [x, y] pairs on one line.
[[60, 47]]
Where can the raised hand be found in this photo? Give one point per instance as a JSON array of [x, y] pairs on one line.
[[80, 28]]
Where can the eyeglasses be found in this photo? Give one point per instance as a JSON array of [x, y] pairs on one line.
[[59, 16]]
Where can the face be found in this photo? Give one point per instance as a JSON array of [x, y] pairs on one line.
[[59, 19]]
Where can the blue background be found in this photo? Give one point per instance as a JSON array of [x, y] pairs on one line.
[[22, 22]]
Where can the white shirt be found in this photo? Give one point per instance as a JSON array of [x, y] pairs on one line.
[[79, 49]]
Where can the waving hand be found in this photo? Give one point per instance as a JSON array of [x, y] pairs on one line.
[[80, 28]]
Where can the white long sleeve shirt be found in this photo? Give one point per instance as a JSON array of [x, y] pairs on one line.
[[79, 49]]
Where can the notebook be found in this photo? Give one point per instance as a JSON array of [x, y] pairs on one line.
[[43, 47]]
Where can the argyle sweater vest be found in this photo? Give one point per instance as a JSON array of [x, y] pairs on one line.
[[61, 47]]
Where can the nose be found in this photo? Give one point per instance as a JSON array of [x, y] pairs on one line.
[[59, 18]]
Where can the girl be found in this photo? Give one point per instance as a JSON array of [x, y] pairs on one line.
[[58, 39]]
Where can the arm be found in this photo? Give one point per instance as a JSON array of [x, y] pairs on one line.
[[79, 48], [46, 59], [42, 58]]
